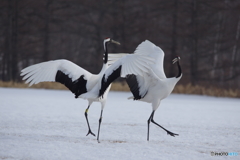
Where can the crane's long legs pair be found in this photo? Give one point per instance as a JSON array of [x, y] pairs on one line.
[[89, 129], [151, 120]]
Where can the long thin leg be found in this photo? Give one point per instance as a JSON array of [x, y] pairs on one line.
[[150, 118], [168, 132], [100, 121], [89, 129]]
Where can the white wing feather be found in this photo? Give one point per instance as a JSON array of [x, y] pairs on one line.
[[146, 48], [131, 64], [46, 71], [149, 49], [113, 57]]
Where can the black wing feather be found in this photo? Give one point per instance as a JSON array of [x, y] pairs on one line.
[[134, 86], [77, 87], [105, 83]]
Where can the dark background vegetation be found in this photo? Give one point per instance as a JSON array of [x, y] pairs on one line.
[[204, 33]]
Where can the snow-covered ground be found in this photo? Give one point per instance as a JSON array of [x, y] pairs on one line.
[[50, 124]]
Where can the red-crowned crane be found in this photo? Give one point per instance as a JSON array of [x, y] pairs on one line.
[[153, 86]]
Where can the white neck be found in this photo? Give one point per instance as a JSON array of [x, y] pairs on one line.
[[104, 68]]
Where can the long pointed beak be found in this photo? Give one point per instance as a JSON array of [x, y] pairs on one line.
[[115, 42]]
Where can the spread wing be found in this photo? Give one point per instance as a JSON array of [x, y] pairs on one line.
[[137, 83], [62, 71], [149, 49]]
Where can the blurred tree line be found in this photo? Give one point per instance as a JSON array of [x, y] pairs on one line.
[[205, 34]]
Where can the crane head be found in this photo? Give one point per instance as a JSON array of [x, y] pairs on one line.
[[110, 40], [176, 59]]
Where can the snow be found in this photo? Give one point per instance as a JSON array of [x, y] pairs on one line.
[[50, 124]]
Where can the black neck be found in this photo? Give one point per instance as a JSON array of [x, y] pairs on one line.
[[179, 70], [106, 53]]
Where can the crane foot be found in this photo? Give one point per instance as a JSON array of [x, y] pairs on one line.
[[172, 134], [90, 132]]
